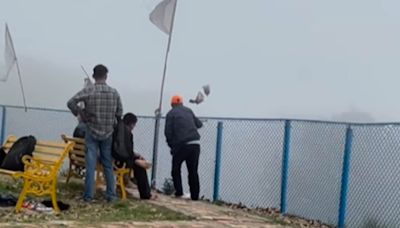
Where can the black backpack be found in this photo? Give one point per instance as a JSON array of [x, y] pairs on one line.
[[23, 146], [119, 149]]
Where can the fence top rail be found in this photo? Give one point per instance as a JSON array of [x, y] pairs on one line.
[[35, 108], [355, 124]]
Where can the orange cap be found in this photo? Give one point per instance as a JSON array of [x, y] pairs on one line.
[[176, 99]]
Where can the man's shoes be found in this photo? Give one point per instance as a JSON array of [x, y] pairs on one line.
[[112, 200], [185, 196], [89, 200]]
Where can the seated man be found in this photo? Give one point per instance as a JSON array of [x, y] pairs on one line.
[[136, 161]]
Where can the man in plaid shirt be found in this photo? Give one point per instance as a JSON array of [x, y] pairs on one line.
[[102, 108]]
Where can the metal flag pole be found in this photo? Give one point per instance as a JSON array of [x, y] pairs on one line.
[[87, 75], [158, 112], [22, 86]]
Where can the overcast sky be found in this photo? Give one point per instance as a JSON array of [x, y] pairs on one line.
[[263, 58]]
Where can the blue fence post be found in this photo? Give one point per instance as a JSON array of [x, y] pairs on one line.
[[285, 165], [345, 177], [217, 161], [3, 125]]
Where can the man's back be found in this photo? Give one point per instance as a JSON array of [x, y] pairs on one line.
[[181, 125], [102, 105]]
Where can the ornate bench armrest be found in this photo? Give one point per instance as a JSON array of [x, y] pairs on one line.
[[35, 168]]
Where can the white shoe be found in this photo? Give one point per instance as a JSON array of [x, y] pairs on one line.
[[185, 196]]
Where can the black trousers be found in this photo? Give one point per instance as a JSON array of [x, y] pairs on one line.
[[190, 154], [142, 181]]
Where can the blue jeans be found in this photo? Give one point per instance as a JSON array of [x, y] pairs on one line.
[[93, 146]]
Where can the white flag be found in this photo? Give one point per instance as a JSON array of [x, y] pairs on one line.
[[9, 55], [163, 14]]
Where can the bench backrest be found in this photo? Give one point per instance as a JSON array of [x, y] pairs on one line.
[[77, 154], [47, 152]]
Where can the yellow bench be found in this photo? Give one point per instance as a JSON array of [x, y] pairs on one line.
[[41, 169], [77, 165]]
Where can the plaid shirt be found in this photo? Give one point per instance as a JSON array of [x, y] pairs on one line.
[[102, 108]]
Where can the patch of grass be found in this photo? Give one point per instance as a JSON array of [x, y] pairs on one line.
[[71, 187], [142, 212], [8, 186], [97, 212], [14, 226], [130, 210]]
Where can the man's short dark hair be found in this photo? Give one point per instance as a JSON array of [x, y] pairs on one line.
[[100, 71], [130, 118]]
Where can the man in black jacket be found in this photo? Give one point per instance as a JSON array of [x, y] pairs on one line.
[[136, 161], [184, 140]]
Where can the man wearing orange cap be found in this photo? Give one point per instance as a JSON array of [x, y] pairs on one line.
[[184, 140]]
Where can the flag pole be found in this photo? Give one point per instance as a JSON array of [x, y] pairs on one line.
[[22, 86], [87, 75], [158, 113]]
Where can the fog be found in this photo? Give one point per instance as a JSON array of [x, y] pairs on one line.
[[267, 59]]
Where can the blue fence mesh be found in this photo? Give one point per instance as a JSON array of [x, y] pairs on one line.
[[315, 161], [143, 137], [374, 184], [251, 163]]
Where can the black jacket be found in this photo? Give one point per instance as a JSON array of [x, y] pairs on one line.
[[122, 149], [181, 126]]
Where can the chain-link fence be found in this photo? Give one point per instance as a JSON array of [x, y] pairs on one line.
[[143, 137], [315, 161], [251, 162], [338, 173], [374, 181]]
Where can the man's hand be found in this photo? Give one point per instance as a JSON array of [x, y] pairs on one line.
[[138, 156]]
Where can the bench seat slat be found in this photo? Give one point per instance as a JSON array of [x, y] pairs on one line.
[[79, 159], [79, 147], [47, 150], [78, 153], [76, 140], [60, 145], [8, 172], [46, 159]]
